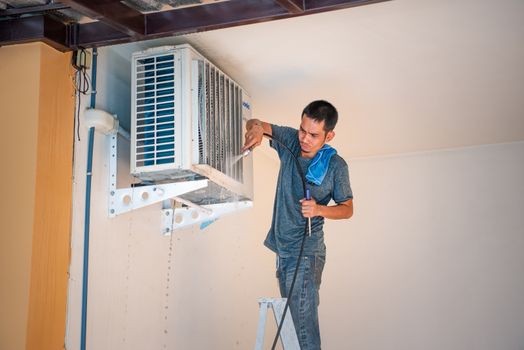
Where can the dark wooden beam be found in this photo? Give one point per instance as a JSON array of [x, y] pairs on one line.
[[212, 16], [119, 23], [34, 28], [32, 9], [114, 13], [99, 34], [313, 6], [292, 6], [55, 34], [236, 12]]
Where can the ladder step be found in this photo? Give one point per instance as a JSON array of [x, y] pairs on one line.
[[288, 335]]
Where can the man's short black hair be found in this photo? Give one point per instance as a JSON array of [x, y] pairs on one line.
[[321, 110]]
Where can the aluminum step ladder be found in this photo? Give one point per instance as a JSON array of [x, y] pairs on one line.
[[288, 335]]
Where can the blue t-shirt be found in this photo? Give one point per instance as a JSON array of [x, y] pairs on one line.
[[287, 226]]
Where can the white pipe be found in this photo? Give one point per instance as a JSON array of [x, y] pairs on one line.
[[102, 121], [124, 133]]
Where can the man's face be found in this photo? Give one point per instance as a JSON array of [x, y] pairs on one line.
[[312, 136]]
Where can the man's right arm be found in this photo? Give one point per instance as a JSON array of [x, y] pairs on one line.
[[255, 130]]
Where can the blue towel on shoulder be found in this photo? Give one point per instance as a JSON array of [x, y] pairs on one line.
[[319, 165]]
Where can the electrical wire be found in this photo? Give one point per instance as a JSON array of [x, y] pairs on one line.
[[81, 83], [290, 293]]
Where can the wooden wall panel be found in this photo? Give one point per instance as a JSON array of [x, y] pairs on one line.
[[52, 210], [19, 82]]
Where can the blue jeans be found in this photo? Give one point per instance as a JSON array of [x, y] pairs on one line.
[[305, 299]]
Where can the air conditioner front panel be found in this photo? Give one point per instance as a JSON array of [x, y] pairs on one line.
[[154, 89]]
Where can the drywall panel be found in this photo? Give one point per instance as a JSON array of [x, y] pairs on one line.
[[147, 290], [194, 289], [432, 258]]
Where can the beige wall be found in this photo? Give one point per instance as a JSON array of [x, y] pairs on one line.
[[36, 112], [431, 259]]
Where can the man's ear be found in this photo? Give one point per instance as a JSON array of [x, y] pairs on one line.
[[330, 135]]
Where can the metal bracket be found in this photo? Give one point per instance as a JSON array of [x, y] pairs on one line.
[[176, 218], [124, 200], [127, 199]]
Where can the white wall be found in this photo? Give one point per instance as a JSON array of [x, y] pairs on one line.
[[405, 75], [431, 259], [192, 290]]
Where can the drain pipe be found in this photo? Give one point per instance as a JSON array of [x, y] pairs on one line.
[[87, 213], [86, 236]]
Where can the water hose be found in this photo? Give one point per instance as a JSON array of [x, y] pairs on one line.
[[307, 225]]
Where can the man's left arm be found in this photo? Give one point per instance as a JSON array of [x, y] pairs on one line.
[[343, 210]]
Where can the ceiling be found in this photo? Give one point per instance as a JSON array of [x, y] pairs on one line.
[[406, 75], [72, 24]]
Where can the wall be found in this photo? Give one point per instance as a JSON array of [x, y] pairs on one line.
[[19, 93], [36, 109], [152, 291], [431, 259], [52, 208]]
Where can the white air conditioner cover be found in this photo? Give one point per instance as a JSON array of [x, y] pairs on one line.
[[187, 122]]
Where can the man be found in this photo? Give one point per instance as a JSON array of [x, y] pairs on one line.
[[327, 178]]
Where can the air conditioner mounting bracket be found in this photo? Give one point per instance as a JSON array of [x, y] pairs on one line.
[[123, 200]]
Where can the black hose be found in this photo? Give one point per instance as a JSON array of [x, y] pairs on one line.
[[289, 294]]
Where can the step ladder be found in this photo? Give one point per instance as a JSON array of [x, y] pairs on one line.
[[288, 335]]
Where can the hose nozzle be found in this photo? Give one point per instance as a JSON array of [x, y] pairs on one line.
[[308, 197], [246, 152]]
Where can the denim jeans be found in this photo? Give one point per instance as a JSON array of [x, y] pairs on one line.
[[305, 299]]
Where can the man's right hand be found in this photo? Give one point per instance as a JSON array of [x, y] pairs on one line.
[[255, 130]]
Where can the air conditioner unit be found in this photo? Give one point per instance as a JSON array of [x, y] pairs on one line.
[[187, 123]]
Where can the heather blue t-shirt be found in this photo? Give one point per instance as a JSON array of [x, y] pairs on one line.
[[287, 226]]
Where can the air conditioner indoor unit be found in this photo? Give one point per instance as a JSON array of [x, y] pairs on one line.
[[187, 123]]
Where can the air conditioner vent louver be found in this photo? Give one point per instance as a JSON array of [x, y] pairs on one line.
[[187, 122], [220, 121], [155, 111]]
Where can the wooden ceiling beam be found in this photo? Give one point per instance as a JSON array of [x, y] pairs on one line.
[[34, 28], [114, 13], [313, 6], [212, 16], [118, 23], [99, 34], [292, 6], [17, 11]]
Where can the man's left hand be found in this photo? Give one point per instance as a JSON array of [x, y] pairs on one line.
[[309, 208]]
